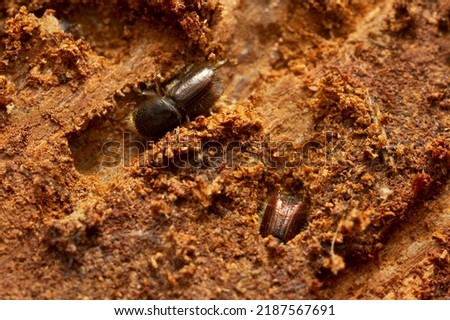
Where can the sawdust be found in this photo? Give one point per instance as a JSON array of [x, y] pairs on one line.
[[346, 104]]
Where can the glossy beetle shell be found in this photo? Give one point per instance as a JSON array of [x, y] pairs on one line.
[[284, 217], [193, 95], [156, 115]]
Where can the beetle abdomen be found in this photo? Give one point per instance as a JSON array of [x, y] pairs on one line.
[[284, 217], [197, 91]]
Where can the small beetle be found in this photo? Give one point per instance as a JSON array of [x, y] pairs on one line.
[[193, 95], [284, 217]]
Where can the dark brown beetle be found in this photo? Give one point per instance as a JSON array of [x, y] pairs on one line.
[[193, 95], [284, 216]]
